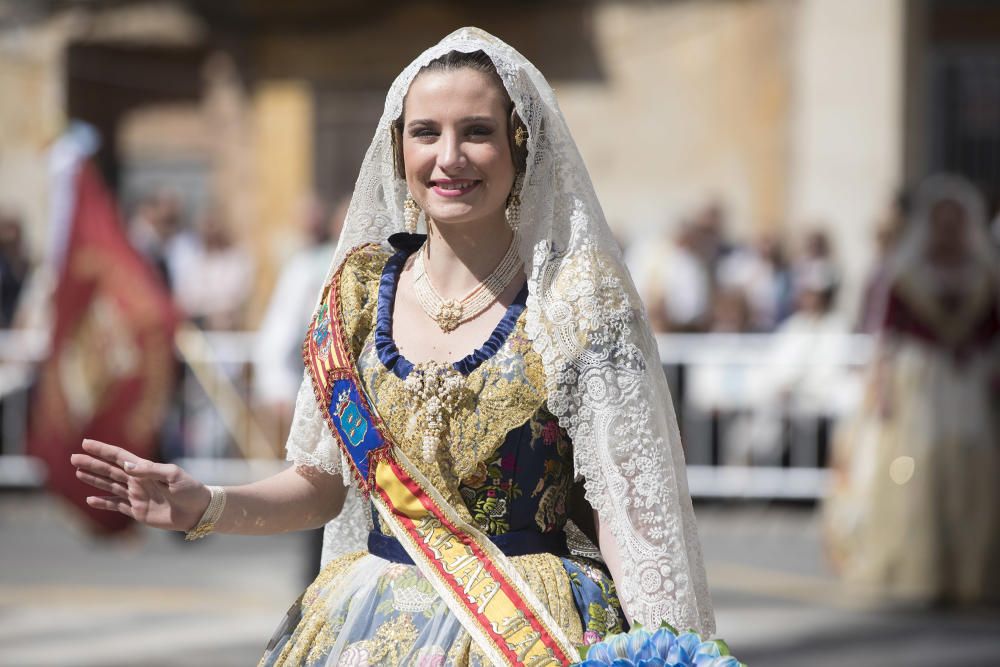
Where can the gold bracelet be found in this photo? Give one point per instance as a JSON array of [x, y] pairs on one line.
[[212, 513]]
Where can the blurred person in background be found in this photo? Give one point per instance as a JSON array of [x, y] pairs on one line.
[[915, 512], [762, 273], [803, 361], [686, 288], [673, 280], [278, 350], [213, 278], [15, 266], [816, 254], [154, 228], [804, 384], [720, 389], [876, 287], [731, 312], [711, 241]]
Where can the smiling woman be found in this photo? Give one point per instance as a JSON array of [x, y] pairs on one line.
[[489, 392], [457, 137]]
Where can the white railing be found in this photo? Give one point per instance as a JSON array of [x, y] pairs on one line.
[[755, 410]]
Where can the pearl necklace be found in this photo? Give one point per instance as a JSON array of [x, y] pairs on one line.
[[450, 313]]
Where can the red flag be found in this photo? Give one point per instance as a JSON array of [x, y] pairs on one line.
[[110, 368]]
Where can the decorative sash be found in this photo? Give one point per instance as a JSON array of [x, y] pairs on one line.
[[475, 579]]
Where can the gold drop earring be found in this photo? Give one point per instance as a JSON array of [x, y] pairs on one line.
[[513, 211], [411, 214]]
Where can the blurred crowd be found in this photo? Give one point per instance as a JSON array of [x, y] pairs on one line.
[[212, 278], [697, 278], [15, 265], [694, 277]]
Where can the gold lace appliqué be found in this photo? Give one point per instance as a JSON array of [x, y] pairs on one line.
[[497, 397], [314, 635], [358, 295]]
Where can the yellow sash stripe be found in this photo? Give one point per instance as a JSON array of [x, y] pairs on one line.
[[467, 570]]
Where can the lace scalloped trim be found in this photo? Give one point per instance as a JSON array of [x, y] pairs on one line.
[[309, 460]]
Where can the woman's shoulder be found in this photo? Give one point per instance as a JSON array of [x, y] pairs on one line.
[[363, 264], [356, 286]]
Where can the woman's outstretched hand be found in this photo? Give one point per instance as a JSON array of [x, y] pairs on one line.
[[161, 495]]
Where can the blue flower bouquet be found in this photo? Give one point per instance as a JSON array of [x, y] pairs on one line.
[[663, 648]]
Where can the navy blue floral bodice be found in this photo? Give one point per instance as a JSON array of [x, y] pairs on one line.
[[509, 464]]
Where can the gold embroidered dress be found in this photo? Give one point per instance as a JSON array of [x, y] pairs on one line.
[[507, 469]]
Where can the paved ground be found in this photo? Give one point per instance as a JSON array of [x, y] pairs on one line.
[[158, 601], [778, 605]]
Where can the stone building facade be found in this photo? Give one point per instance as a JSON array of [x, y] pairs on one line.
[[789, 112]]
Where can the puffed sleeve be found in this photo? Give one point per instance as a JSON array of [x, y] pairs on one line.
[[310, 442]]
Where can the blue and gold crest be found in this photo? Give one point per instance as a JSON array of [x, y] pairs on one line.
[[353, 422], [351, 419]]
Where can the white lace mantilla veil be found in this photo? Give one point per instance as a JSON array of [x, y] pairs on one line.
[[604, 379]]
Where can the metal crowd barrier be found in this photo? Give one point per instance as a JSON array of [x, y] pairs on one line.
[[757, 412]]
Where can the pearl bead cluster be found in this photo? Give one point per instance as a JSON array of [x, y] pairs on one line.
[[438, 388]]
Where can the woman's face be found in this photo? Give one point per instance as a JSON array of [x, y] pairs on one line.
[[455, 148], [948, 229]]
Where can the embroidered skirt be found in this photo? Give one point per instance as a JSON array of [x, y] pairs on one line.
[[364, 611]]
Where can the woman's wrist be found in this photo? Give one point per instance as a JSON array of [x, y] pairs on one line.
[[194, 518], [212, 509]]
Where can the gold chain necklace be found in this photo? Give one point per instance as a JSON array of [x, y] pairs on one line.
[[450, 313]]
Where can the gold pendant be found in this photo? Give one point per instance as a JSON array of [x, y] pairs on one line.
[[449, 315]]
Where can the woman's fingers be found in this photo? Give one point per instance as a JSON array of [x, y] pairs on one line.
[[103, 483], [113, 455], [98, 467], [133, 465], [111, 504], [168, 473]]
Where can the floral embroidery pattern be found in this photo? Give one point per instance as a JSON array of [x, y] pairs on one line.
[[408, 592], [556, 478], [392, 641], [355, 655], [430, 656], [602, 612], [489, 492]]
